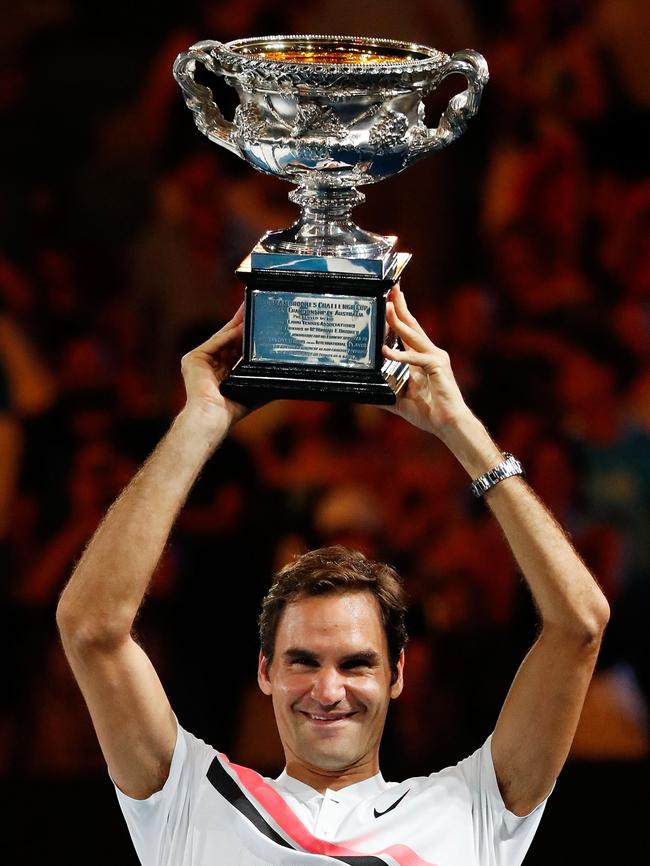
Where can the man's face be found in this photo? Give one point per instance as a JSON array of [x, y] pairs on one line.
[[330, 681]]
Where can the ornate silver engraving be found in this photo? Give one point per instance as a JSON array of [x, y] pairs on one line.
[[389, 131], [418, 136], [250, 122], [313, 120]]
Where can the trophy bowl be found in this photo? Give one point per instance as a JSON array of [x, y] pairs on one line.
[[329, 114]]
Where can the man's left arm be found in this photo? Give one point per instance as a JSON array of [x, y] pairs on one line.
[[538, 721]]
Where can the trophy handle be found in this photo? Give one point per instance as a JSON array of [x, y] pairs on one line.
[[200, 99], [453, 121]]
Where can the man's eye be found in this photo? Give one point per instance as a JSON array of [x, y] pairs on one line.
[[305, 662]]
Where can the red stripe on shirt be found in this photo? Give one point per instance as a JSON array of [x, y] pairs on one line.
[[276, 807]]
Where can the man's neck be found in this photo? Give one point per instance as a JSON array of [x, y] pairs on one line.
[[321, 779]]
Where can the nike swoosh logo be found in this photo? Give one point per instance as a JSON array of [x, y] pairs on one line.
[[396, 803]]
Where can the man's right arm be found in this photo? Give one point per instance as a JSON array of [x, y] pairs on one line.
[[133, 720]]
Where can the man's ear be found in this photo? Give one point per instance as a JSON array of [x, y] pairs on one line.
[[263, 680], [398, 685]]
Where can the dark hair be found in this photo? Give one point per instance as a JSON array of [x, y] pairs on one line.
[[334, 571]]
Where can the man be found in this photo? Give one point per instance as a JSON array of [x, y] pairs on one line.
[[331, 660]]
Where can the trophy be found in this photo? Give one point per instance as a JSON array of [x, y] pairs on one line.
[[328, 114]]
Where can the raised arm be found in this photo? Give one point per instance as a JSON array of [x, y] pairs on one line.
[[129, 709], [537, 724]]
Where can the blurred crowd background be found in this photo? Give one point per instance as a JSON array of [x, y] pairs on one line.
[[120, 229]]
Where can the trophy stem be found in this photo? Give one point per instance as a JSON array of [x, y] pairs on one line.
[[325, 227]]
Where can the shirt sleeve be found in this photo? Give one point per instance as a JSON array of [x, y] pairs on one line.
[[159, 825], [502, 838]]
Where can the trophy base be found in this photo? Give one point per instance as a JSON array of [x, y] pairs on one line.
[[253, 384], [311, 335]]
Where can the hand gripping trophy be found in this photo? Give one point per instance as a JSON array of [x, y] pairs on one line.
[[328, 114]]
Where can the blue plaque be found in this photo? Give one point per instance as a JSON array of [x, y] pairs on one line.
[[323, 330]]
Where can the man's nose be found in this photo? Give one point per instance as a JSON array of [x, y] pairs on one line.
[[328, 687]]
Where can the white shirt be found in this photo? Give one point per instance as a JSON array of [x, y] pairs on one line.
[[211, 812]]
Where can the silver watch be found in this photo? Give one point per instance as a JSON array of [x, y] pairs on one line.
[[506, 469]]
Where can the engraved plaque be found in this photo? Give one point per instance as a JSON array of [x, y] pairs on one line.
[[313, 329]]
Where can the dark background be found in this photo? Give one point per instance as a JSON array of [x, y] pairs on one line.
[[120, 227]]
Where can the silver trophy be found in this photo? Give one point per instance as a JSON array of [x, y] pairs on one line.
[[328, 114]]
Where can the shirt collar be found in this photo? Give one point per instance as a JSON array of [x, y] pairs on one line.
[[350, 794]]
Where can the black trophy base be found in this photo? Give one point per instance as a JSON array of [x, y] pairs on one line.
[[252, 384], [316, 336]]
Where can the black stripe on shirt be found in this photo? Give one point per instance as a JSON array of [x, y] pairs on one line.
[[230, 791]]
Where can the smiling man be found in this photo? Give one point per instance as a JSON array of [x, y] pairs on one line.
[[332, 657], [330, 665]]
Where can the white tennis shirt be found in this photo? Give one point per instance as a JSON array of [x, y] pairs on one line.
[[211, 812]]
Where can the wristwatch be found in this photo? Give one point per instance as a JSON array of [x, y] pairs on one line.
[[506, 469]]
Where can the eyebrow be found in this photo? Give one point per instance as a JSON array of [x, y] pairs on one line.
[[369, 657]]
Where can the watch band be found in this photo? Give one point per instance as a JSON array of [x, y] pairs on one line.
[[506, 469]]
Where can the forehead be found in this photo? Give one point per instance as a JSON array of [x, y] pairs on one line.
[[347, 621]]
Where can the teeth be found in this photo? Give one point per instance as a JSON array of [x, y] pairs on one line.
[[328, 718]]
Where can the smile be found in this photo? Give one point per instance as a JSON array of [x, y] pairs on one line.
[[325, 719]]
